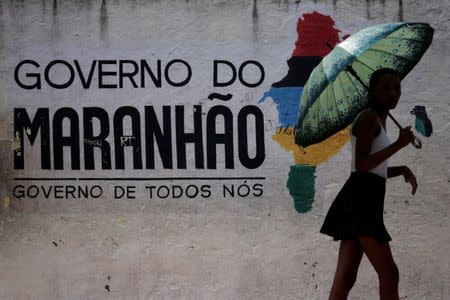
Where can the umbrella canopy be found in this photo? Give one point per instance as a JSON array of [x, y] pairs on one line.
[[336, 90]]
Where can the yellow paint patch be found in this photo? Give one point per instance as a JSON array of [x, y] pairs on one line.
[[315, 154], [15, 145], [121, 220], [5, 202]]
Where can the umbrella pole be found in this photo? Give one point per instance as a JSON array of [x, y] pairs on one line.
[[352, 71], [395, 121], [417, 143], [301, 149]]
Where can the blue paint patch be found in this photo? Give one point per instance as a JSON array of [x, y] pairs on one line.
[[422, 123], [287, 100]]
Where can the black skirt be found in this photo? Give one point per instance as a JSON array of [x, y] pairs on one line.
[[358, 209]]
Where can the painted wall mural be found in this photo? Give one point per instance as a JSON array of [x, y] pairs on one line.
[[316, 34], [422, 123], [337, 86], [153, 130], [159, 133]]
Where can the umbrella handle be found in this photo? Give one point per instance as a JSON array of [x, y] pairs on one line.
[[416, 142]]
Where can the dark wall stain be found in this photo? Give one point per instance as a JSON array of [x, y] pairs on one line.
[[55, 7], [368, 9], [103, 21], [255, 21]]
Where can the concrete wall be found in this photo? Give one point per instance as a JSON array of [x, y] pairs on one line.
[[263, 241]]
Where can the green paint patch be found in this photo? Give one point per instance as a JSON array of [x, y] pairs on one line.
[[420, 127], [301, 186]]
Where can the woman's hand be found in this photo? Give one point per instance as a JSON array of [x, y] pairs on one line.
[[409, 177], [405, 136]]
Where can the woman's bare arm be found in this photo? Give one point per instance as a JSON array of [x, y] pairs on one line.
[[407, 174], [364, 129], [395, 171]]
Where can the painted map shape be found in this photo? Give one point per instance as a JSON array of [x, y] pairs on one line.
[[422, 122], [316, 36]]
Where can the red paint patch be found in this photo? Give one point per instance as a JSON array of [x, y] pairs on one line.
[[314, 31]]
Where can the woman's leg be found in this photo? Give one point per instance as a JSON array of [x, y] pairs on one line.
[[380, 256], [349, 258]]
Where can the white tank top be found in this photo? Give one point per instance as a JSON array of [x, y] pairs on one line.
[[380, 142]]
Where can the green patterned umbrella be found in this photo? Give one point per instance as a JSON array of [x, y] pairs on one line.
[[336, 90]]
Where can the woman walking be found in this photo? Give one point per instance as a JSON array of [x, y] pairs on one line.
[[356, 215]]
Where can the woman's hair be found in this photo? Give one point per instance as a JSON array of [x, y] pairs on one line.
[[374, 79]]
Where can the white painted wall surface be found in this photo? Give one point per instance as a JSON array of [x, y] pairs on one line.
[[215, 248]]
